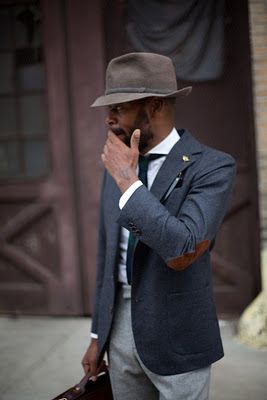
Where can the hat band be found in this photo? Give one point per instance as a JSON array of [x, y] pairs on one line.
[[139, 90]]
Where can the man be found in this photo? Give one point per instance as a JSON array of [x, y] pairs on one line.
[[154, 311]]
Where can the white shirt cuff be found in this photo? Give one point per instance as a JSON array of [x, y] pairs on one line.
[[128, 193], [94, 335]]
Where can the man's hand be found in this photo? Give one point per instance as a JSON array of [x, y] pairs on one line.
[[121, 160], [89, 361]]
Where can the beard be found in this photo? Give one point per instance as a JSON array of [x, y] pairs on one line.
[[141, 122]]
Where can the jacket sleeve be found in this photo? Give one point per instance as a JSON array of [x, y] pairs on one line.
[[181, 239], [101, 255]]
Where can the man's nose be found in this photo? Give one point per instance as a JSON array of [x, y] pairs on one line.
[[111, 119]]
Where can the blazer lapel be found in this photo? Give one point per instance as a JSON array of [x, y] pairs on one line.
[[182, 155], [114, 199], [114, 228]]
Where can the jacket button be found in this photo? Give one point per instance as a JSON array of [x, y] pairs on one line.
[[137, 231], [130, 224]]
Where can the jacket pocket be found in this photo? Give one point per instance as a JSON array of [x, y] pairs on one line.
[[192, 321]]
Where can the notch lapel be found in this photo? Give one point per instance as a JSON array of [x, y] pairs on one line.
[[181, 156], [114, 228]]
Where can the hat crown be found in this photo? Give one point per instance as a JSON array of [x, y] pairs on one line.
[[136, 76], [141, 72]]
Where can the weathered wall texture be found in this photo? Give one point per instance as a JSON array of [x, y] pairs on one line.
[[252, 328], [258, 29]]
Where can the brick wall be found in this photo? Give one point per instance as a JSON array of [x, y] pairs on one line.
[[258, 32]]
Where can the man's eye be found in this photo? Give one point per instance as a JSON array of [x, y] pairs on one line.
[[116, 109]]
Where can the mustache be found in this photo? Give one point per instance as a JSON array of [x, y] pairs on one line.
[[118, 131]]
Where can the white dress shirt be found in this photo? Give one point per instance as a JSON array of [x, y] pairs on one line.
[[164, 147]]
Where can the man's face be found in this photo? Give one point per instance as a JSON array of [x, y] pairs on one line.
[[124, 118]]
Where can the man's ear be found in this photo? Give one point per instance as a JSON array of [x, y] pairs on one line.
[[155, 105]]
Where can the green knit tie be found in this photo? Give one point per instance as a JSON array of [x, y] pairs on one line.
[[142, 174]]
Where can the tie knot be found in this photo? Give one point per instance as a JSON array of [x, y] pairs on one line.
[[149, 157], [143, 165]]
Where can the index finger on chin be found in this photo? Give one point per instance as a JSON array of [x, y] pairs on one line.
[[111, 135], [114, 139]]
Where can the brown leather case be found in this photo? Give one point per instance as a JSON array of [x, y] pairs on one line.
[[89, 390]]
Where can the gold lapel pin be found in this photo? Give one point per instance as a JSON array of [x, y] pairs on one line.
[[186, 158]]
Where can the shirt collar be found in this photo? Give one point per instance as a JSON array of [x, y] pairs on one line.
[[165, 146]]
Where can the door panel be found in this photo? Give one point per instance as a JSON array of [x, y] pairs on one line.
[[39, 265], [220, 114], [86, 72]]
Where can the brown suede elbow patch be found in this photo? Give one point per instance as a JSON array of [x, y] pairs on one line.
[[183, 261]]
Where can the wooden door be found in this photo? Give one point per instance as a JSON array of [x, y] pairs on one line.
[[39, 263], [220, 114], [50, 144]]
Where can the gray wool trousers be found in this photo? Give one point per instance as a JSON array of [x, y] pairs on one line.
[[131, 380]]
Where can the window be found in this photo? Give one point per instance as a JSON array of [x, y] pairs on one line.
[[23, 108]]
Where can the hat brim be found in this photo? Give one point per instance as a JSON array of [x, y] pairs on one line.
[[117, 98]]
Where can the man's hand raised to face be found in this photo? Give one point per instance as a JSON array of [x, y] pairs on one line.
[[120, 160]]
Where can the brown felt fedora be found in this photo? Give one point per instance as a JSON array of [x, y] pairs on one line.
[[135, 76]]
